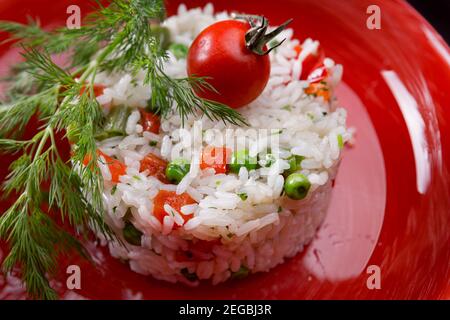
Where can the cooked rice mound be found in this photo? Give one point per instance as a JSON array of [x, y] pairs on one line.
[[228, 235]]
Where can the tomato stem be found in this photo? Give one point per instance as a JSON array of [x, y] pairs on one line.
[[256, 38]]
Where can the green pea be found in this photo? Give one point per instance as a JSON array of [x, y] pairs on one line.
[[177, 169], [296, 186], [294, 163], [131, 234], [179, 50], [241, 159]]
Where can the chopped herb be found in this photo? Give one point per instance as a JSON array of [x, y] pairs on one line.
[[267, 160], [243, 196], [137, 178], [280, 209], [294, 164], [114, 209], [242, 158], [114, 189], [189, 275], [131, 234], [153, 143], [241, 273], [280, 131], [218, 182], [287, 107], [340, 141]]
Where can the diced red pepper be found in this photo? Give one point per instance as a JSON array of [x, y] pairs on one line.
[[311, 62], [216, 158], [150, 122], [318, 75], [155, 166], [174, 200], [116, 167], [98, 89]]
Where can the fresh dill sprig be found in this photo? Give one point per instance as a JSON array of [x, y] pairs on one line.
[[119, 38]]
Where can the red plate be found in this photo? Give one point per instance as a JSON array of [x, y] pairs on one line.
[[391, 202]]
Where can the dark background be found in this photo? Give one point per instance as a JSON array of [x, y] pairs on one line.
[[437, 12]]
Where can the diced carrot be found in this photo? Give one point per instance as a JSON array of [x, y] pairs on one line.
[[176, 201], [150, 122], [87, 159], [216, 158], [116, 167], [155, 166], [319, 90]]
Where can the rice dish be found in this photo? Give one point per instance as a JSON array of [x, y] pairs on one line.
[[241, 222]]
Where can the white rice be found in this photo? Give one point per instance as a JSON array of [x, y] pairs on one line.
[[258, 232]]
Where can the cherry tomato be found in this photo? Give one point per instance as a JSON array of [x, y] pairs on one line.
[[220, 54], [116, 167], [216, 158], [155, 166], [150, 122], [174, 200]]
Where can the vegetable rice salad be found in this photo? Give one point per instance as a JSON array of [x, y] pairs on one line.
[[199, 199], [203, 146]]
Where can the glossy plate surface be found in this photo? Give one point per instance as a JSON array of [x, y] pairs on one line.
[[391, 201]]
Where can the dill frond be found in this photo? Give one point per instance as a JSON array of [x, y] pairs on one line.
[[119, 38]]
